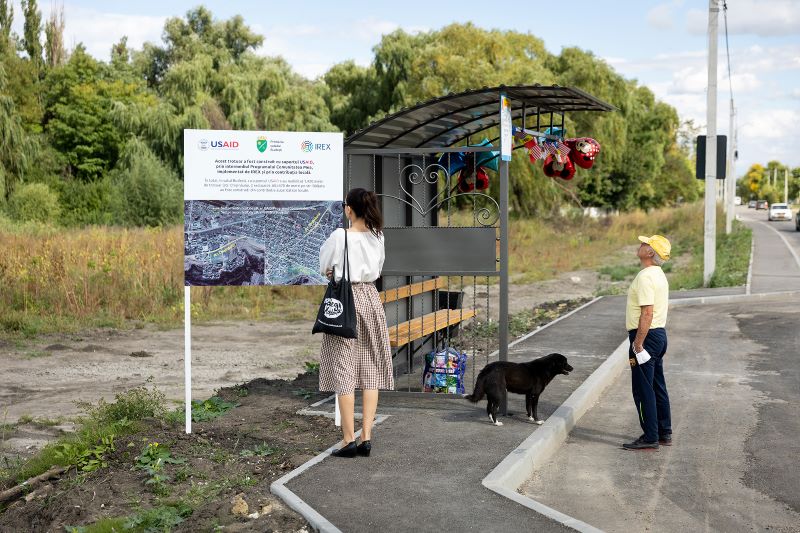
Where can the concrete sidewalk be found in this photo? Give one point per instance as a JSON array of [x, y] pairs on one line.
[[430, 456], [431, 453], [776, 254], [734, 380]]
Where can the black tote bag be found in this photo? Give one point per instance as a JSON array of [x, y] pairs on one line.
[[337, 312]]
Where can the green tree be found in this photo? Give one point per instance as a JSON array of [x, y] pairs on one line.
[[17, 148], [79, 99], [794, 185], [34, 202], [33, 32], [146, 191], [749, 185], [6, 20]]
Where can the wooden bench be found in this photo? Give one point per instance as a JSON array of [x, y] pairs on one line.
[[428, 324]]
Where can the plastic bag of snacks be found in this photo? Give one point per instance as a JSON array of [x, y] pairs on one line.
[[444, 371]]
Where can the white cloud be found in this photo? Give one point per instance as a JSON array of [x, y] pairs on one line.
[[770, 124], [98, 30], [766, 18], [660, 16]]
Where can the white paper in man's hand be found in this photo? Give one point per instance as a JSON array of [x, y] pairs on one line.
[[642, 357]]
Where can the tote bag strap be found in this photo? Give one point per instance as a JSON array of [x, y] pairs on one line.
[[346, 261]]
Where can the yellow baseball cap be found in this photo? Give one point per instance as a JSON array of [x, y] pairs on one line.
[[659, 243]]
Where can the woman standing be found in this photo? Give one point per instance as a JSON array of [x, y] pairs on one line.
[[364, 362]]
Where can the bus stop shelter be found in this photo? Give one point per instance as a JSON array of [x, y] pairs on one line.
[[436, 230]]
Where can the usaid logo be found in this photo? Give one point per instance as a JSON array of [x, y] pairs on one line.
[[203, 144], [225, 145], [333, 307]]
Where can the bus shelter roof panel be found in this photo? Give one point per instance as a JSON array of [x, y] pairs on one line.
[[445, 121]]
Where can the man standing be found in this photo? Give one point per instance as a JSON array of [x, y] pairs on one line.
[[646, 320]]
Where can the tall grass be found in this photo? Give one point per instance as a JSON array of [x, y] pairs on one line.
[[95, 276], [67, 279], [541, 249]]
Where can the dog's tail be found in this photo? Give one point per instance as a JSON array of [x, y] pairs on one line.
[[477, 394]]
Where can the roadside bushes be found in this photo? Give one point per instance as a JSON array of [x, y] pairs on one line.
[[34, 202], [146, 191]]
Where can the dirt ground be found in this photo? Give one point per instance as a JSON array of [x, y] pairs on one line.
[[46, 376], [223, 481], [43, 378]]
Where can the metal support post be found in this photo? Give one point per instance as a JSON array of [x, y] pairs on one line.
[[710, 224], [503, 267], [187, 355]]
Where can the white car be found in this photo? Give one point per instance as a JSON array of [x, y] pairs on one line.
[[737, 200], [779, 212]]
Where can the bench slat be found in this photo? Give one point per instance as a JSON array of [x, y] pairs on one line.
[[392, 295], [423, 326]]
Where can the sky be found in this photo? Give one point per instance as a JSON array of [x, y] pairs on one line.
[[661, 44]]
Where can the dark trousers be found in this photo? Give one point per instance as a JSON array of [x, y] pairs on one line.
[[648, 385]]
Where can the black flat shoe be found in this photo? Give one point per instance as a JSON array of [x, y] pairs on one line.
[[364, 448], [347, 451]]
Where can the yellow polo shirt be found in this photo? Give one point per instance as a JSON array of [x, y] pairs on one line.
[[649, 287]]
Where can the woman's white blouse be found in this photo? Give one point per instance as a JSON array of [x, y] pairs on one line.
[[365, 254]]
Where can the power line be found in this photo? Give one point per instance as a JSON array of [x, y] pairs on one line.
[[727, 48]]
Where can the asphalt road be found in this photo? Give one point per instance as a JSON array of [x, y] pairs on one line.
[[734, 380]]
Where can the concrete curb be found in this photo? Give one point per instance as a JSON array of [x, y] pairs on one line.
[[534, 451], [730, 298], [279, 489], [749, 284]]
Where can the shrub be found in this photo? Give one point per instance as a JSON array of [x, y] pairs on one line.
[[87, 203], [146, 191], [34, 202], [135, 404]]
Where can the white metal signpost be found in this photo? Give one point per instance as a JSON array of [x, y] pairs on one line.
[[257, 207]]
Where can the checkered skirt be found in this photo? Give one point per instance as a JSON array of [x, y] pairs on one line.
[[364, 362]]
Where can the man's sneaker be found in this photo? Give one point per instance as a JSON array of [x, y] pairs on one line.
[[665, 440], [641, 444]]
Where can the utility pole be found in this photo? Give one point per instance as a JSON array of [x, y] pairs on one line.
[[710, 223], [786, 185], [730, 183]]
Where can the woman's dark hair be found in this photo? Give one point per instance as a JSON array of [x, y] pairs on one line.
[[364, 204]]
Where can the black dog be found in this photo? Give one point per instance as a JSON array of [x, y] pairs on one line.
[[529, 379]]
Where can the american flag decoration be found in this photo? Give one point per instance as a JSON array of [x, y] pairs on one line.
[[534, 150]]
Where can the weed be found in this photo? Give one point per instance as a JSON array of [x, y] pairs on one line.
[[260, 450], [183, 474], [152, 460], [104, 525], [159, 519], [135, 404], [305, 394], [210, 409], [241, 391], [312, 367], [86, 459]]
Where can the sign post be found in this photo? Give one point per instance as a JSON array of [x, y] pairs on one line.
[[257, 208], [506, 146]]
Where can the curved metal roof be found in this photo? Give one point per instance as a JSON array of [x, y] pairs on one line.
[[447, 120]]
